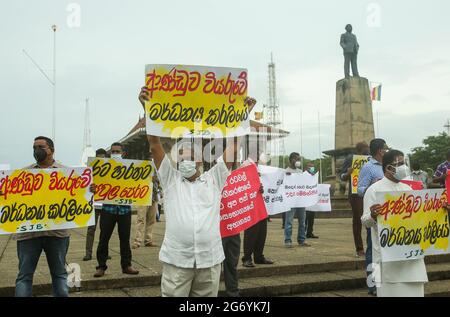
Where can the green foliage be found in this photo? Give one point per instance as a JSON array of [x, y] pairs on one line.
[[432, 153]]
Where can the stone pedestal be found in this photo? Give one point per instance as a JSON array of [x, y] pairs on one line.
[[354, 123], [354, 118]]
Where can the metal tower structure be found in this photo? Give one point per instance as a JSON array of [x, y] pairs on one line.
[[272, 114], [447, 126], [88, 151]]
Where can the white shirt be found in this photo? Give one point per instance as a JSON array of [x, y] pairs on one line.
[[192, 212], [391, 272]]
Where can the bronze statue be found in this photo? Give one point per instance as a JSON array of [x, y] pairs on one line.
[[351, 47]]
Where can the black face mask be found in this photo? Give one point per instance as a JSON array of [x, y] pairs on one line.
[[40, 155]]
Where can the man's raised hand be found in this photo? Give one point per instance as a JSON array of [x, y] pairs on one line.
[[144, 96], [250, 103]]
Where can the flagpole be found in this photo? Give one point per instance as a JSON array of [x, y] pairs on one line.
[[301, 136], [320, 150]]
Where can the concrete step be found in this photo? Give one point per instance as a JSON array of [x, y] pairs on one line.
[[259, 278], [432, 289], [347, 283], [257, 275], [322, 281]]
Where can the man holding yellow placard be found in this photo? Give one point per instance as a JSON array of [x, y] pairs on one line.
[[399, 278], [350, 172], [38, 237], [110, 215]]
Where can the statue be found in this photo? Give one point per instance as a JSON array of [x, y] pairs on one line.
[[351, 47]]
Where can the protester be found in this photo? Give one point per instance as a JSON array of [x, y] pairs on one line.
[[255, 236], [418, 175], [370, 173], [54, 243], [441, 172], [295, 166], [146, 218], [192, 250], [109, 216], [90, 235], [310, 215], [355, 200], [400, 278]]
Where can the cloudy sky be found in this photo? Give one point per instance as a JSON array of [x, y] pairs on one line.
[[404, 45]]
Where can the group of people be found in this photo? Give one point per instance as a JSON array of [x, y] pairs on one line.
[[193, 252], [383, 173]]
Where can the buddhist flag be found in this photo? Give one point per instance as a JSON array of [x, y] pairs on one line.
[[376, 93]]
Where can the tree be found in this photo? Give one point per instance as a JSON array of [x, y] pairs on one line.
[[432, 153]]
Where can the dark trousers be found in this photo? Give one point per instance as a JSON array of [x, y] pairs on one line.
[[283, 216], [90, 235], [357, 209], [309, 223], [232, 249], [351, 58], [107, 223], [254, 241]]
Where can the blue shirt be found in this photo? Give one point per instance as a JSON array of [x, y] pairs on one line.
[[370, 173], [117, 209]]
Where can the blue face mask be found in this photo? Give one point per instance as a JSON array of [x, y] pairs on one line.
[[312, 170]]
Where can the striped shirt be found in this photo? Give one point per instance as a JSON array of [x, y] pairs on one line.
[[370, 173]]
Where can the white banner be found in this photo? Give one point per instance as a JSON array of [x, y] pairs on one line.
[[283, 192], [301, 190], [324, 203], [272, 180]]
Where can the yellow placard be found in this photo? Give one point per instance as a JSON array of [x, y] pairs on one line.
[[45, 199], [196, 101], [357, 163], [123, 182], [413, 224]]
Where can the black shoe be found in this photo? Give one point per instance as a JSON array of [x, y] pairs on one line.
[[264, 261], [248, 263], [312, 236], [109, 258], [87, 258]]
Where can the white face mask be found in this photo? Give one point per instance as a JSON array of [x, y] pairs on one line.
[[187, 168], [401, 172], [298, 164], [116, 156]]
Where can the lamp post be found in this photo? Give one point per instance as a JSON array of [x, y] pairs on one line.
[[51, 81], [54, 85]]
